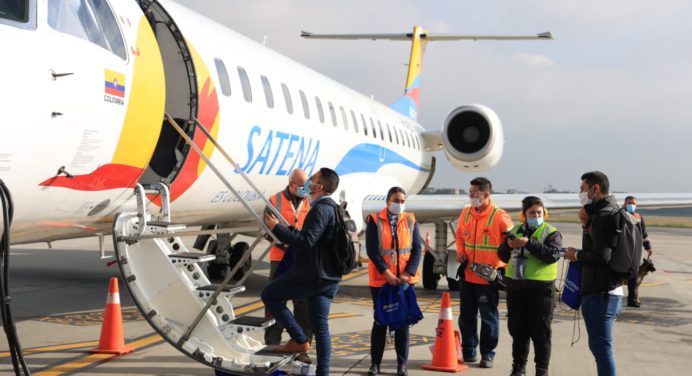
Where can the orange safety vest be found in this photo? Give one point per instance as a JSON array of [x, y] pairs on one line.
[[479, 235], [387, 248], [294, 216]]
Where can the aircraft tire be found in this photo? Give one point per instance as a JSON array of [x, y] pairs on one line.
[[237, 252], [430, 279]]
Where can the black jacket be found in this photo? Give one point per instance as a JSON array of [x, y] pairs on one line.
[[548, 252], [315, 257], [598, 240]]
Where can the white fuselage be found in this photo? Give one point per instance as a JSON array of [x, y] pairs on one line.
[[69, 121]]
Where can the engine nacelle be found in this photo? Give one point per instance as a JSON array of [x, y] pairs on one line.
[[472, 138]]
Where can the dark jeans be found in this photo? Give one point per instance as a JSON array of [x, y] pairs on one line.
[[272, 335], [530, 313], [600, 311], [475, 298], [378, 338], [632, 290], [319, 295]]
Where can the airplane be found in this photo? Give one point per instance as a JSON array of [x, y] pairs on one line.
[[121, 117]]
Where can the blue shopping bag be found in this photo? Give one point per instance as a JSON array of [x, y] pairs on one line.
[[397, 307], [571, 291]]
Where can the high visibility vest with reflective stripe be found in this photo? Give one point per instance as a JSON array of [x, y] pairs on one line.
[[479, 239], [388, 248], [294, 216], [535, 269]]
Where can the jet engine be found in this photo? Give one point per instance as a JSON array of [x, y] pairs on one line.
[[472, 138]]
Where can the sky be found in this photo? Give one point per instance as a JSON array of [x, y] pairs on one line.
[[611, 92]]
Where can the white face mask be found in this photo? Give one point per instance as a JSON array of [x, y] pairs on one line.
[[584, 198], [396, 208], [475, 201]]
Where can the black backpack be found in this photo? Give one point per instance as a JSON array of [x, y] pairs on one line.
[[625, 258], [346, 244]]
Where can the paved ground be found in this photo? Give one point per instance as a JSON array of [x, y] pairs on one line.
[[58, 297]]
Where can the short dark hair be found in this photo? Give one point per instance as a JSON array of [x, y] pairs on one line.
[[630, 198], [483, 184], [394, 190], [530, 201], [597, 177], [329, 180]]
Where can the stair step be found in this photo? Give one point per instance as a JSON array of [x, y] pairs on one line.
[[208, 290], [169, 226], [257, 322], [191, 257]]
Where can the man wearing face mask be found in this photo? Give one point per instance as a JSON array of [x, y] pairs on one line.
[[293, 206], [315, 274], [602, 292], [531, 252], [480, 230], [392, 238], [632, 285]]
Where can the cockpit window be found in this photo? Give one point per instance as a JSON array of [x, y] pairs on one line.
[[15, 10], [90, 20]]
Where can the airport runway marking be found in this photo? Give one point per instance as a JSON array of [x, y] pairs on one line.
[[154, 339], [67, 346]]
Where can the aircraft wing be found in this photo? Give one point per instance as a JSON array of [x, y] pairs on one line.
[[434, 208]]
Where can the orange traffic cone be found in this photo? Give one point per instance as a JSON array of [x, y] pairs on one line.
[[445, 356], [427, 238], [112, 340]]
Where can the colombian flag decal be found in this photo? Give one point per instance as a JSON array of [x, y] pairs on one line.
[[115, 83]]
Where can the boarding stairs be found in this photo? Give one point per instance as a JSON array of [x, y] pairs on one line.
[[169, 287]]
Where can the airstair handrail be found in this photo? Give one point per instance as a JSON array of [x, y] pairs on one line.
[[228, 185]]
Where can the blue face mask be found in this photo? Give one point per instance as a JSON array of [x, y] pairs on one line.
[[396, 208], [304, 190], [631, 208], [534, 222]]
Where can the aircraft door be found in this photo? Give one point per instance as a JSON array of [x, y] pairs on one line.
[[87, 80]]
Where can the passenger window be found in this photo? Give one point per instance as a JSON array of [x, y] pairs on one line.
[[396, 134], [415, 137], [306, 108], [365, 125], [332, 112], [374, 130], [15, 10], [409, 142], [268, 95], [223, 77], [287, 98], [245, 84], [344, 118], [389, 133], [355, 121], [320, 111], [91, 20], [379, 125]]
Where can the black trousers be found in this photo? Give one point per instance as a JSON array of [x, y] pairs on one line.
[[378, 338], [530, 313]]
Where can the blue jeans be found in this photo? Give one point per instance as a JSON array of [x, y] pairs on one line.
[[475, 298], [600, 311], [319, 295]]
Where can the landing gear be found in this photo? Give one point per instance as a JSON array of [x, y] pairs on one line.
[[226, 259], [430, 278]]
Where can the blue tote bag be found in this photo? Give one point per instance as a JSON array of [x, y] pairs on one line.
[[397, 307], [571, 291]]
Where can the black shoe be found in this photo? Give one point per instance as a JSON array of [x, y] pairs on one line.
[[304, 357], [470, 359], [401, 370], [634, 304], [374, 370], [486, 362], [518, 370], [542, 372]]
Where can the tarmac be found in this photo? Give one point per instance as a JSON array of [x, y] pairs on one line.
[[58, 297]]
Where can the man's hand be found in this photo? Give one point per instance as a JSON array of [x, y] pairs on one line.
[[517, 242], [583, 217], [461, 257], [571, 254], [650, 252], [391, 278], [404, 278], [270, 221]]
